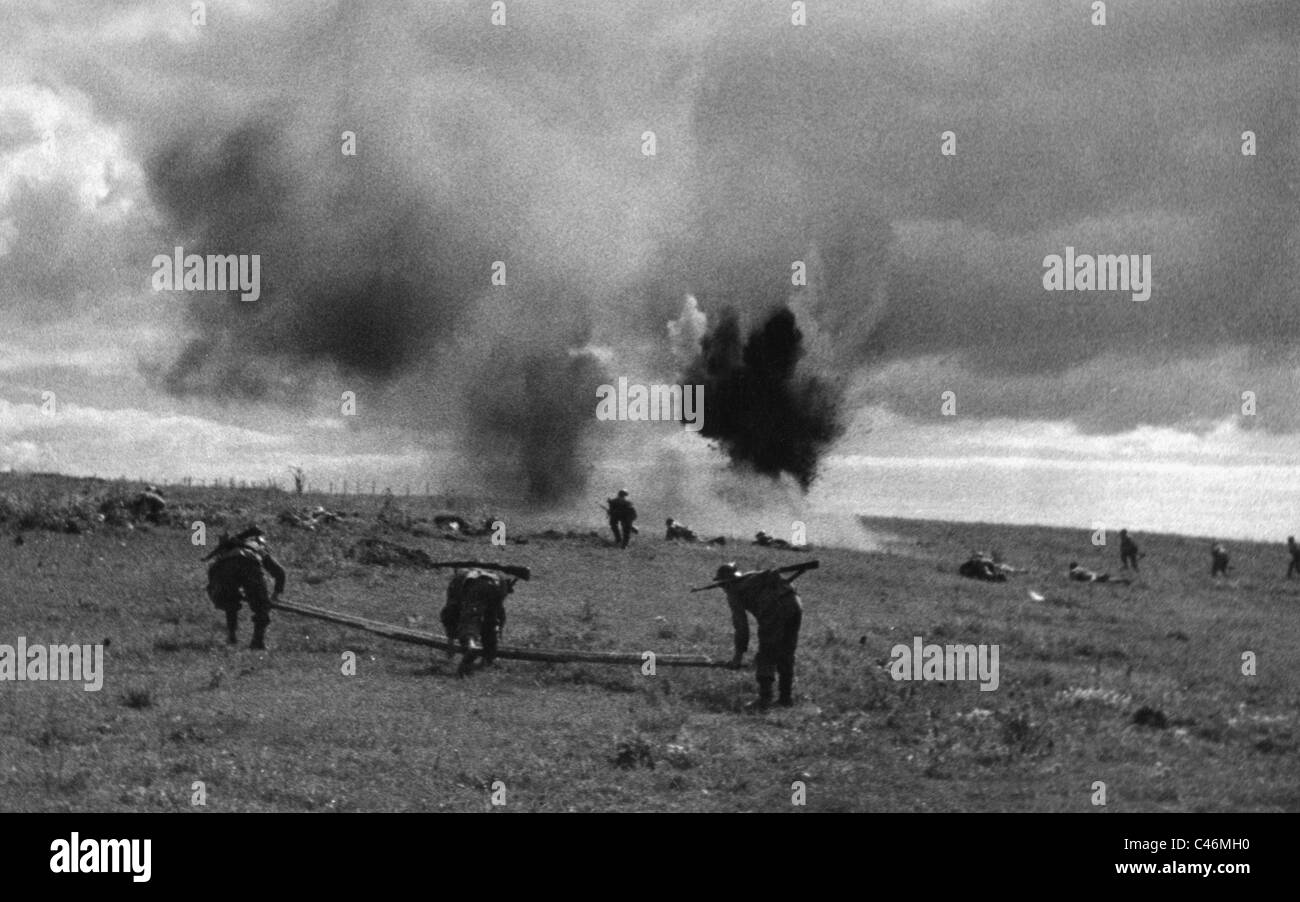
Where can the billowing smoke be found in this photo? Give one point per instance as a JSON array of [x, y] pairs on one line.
[[685, 332], [759, 406], [523, 145], [353, 274], [528, 419]]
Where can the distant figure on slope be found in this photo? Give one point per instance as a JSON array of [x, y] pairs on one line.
[[622, 516], [981, 566], [1294, 566], [1128, 551], [766, 541], [679, 532], [1218, 560], [1082, 575]]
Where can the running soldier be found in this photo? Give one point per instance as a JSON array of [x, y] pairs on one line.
[[772, 600], [475, 615], [621, 517], [235, 575]]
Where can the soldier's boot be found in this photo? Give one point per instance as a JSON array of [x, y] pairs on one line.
[[259, 637], [764, 695], [786, 686], [472, 648], [232, 626]]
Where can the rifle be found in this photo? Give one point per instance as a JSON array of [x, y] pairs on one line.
[[797, 569], [518, 572]]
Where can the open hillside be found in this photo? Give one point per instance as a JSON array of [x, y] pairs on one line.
[[1140, 687]]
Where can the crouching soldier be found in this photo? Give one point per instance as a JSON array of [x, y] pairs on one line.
[[475, 614], [776, 607], [149, 504], [235, 576]]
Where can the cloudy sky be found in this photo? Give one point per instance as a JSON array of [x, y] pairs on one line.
[[127, 129]]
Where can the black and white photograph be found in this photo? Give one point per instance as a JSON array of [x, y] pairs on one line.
[[651, 406]]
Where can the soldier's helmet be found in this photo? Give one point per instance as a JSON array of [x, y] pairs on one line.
[[1073, 564], [726, 571], [252, 536], [669, 522], [622, 493]]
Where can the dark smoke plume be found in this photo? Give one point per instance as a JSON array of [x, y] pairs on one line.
[[528, 414], [364, 295], [759, 408], [367, 278]]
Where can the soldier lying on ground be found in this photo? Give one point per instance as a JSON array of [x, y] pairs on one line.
[[310, 518], [457, 523], [680, 532], [235, 575], [1079, 574], [983, 567], [475, 614], [763, 539]]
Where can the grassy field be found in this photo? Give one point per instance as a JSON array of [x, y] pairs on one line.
[[287, 730]]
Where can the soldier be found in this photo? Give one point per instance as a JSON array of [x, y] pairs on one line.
[[1218, 560], [236, 575], [621, 517], [475, 614], [772, 600], [1128, 551], [767, 541], [149, 504], [1294, 566], [1083, 575], [676, 531], [981, 566]]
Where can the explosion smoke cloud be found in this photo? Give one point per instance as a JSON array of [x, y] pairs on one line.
[[760, 408]]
